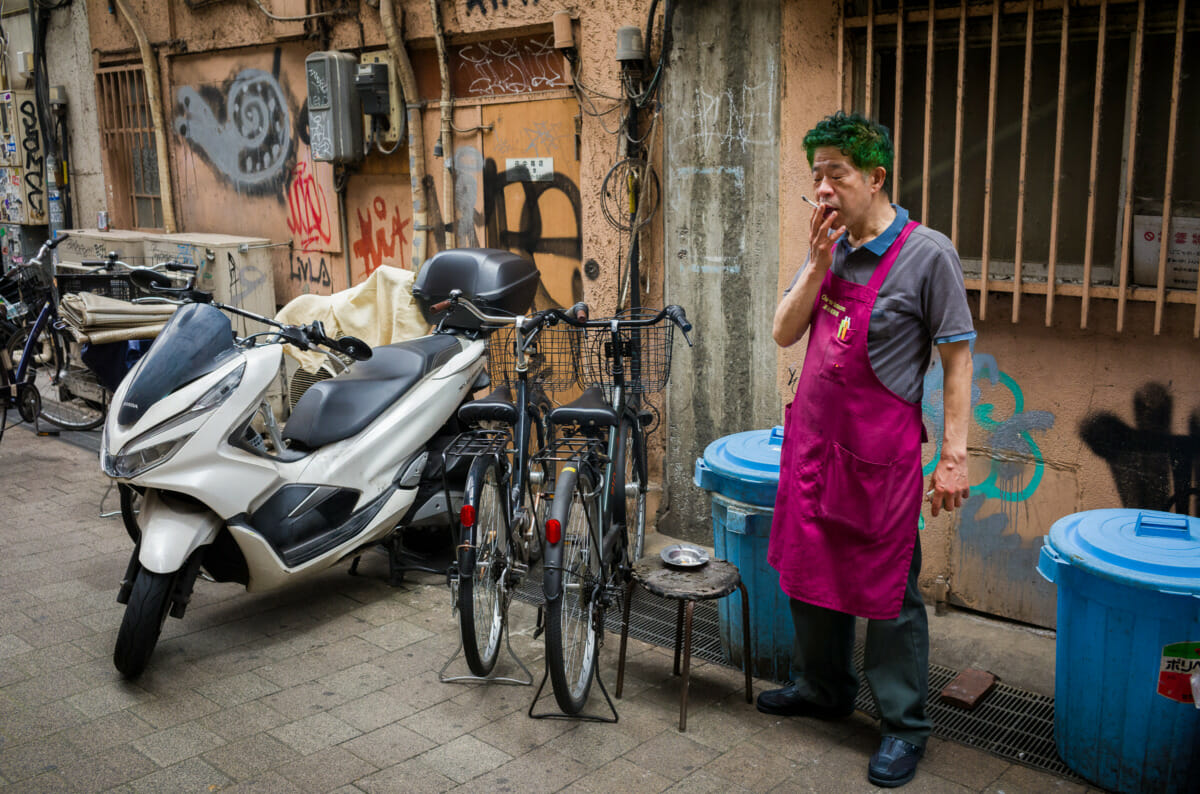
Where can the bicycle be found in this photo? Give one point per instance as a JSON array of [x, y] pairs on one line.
[[500, 521], [600, 493], [19, 358], [72, 396]]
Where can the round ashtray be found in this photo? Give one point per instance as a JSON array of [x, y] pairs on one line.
[[681, 555]]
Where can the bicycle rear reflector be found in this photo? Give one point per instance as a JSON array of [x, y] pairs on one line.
[[553, 531], [467, 515]]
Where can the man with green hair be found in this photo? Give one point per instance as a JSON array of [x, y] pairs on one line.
[[875, 294]]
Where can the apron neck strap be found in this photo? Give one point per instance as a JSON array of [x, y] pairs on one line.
[[890, 256]]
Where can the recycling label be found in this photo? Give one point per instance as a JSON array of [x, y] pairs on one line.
[[1180, 661]]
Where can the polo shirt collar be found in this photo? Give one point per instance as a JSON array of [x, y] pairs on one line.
[[880, 244]]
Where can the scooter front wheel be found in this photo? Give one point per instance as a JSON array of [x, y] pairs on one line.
[[144, 617]]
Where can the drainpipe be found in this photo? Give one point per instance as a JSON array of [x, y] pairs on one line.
[[447, 141], [154, 99], [416, 135]]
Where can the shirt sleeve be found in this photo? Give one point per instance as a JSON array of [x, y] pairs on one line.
[[945, 296]]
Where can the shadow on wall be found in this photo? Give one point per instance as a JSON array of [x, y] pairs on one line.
[[1153, 468]]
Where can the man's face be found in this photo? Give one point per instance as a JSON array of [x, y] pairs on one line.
[[841, 186]]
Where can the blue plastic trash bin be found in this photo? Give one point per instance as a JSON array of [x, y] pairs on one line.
[[742, 472], [1128, 644]]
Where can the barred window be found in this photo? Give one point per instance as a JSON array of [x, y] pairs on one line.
[[1048, 139], [127, 141]]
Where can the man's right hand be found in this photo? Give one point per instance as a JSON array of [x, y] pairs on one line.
[[824, 234]]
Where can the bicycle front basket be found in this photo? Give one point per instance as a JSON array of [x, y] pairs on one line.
[[645, 354], [551, 357]]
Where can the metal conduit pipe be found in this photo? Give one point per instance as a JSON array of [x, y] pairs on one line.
[[416, 134], [154, 99], [447, 138]]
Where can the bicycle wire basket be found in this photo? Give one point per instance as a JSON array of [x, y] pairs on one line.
[[551, 357], [21, 291], [645, 353], [110, 285]]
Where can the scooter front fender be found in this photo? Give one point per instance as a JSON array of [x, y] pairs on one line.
[[172, 528]]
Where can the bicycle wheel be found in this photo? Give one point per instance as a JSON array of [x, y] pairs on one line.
[[53, 373], [482, 566], [5, 395], [629, 504], [572, 575]]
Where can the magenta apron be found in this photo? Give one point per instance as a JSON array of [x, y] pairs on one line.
[[849, 497]]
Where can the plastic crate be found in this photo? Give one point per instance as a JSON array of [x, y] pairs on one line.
[[110, 285]]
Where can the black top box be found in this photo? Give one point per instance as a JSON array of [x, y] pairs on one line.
[[497, 281]]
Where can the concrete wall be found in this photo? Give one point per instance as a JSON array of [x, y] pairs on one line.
[[721, 228]]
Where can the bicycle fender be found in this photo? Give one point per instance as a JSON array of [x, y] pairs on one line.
[[553, 556], [171, 530]]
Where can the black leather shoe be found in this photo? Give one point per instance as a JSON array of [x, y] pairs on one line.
[[788, 702], [894, 763]]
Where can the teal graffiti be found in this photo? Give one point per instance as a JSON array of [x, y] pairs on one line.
[[1009, 439]]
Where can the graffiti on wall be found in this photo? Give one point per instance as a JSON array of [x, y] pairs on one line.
[[31, 143], [382, 232], [1153, 468], [309, 270], [511, 66], [1017, 466], [308, 211], [735, 118], [244, 131]]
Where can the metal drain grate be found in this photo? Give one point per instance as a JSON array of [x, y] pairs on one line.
[[1011, 723]]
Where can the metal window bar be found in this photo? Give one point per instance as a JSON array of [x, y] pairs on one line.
[[873, 21]]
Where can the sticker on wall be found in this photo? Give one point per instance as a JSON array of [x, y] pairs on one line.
[[529, 169], [1180, 662]]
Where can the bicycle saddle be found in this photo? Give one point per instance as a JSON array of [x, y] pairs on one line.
[[590, 410], [497, 406]]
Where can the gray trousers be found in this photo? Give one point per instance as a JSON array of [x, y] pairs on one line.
[[896, 660]]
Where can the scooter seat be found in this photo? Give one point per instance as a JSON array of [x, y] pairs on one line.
[[590, 410], [334, 409], [497, 407]]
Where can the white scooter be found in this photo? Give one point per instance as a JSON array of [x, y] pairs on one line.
[[224, 489]]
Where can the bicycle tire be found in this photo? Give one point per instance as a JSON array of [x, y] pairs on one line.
[[629, 487], [482, 567], [144, 617], [572, 638], [59, 407]]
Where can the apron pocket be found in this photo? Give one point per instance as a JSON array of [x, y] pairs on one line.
[[858, 493]]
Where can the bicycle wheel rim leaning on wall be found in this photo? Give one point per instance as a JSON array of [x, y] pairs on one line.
[[59, 405]]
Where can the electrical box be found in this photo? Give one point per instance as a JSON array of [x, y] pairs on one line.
[[394, 129], [335, 132], [22, 161]]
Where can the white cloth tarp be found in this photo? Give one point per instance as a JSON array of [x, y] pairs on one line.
[[379, 311]]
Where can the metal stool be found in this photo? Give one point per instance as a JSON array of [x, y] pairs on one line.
[[717, 579]]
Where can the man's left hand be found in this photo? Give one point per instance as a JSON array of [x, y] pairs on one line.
[[948, 485]]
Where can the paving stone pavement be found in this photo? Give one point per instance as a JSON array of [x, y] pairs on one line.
[[332, 686]]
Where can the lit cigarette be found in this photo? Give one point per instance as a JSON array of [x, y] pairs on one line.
[[929, 494], [809, 201]]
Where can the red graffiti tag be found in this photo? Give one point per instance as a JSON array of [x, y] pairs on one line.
[[388, 240], [308, 213]]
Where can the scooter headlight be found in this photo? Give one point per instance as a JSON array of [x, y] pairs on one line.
[[130, 464]]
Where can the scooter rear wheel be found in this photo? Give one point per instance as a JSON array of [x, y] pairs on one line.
[[144, 617], [483, 563]]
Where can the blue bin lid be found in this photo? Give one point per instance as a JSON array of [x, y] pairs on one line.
[[743, 466], [1143, 548]]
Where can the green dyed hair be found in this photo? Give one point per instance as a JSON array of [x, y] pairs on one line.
[[867, 143]]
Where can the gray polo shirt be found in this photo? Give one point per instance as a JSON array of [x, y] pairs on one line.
[[922, 302]]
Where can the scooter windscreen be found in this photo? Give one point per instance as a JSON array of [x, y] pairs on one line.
[[197, 340]]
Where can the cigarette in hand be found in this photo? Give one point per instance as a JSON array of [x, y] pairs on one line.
[[809, 201], [929, 494]]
